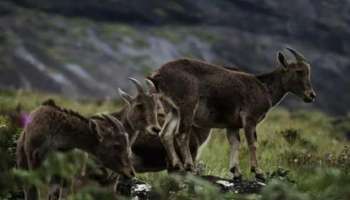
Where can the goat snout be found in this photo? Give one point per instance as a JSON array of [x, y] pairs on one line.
[[153, 130], [309, 96]]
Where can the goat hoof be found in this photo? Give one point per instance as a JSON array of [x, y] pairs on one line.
[[54, 192], [176, 168], [189, 168], [237, 178], [260, 177]]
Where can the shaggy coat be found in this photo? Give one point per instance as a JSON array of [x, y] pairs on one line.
[[56, 129]]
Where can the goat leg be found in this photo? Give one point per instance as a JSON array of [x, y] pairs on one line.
[[250, 133], [234, 141], [167, 138], [183, 140]]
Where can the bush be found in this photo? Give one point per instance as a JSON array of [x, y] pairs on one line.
[[8, 137], [278, 190]]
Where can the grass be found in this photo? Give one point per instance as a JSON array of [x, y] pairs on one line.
[[9, 100], [308, 144]]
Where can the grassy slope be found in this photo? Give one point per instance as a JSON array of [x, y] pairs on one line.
[[313, 141], [30, 100]]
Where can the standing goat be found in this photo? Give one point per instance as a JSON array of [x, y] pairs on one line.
[[209, 96], [56, 129]]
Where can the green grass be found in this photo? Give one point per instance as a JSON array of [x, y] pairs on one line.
[[28, 101], [308, 144]]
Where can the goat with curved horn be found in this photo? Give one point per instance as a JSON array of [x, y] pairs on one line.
[[201, 82], [92, 135], [298, 56], [138, 85]]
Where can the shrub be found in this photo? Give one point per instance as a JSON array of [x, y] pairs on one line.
[[8, 137]]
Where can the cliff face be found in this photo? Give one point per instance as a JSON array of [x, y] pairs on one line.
[[85, 48]]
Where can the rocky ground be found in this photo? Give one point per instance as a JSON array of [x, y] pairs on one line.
[[88, 48]]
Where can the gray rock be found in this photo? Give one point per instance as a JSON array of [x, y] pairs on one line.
[[86, 48]]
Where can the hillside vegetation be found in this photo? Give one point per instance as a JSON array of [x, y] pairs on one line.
[[312, 146]]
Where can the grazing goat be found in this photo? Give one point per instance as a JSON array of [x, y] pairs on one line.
[[56, 129], [140, 116], [209, 96]]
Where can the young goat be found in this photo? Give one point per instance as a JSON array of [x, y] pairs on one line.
[[140, 112], [140, 116], [209, 96], [56, 129]]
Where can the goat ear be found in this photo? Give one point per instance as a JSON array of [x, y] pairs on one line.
[[95, 128], [125, 96], [282, 59]]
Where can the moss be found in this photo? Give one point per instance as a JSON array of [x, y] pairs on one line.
[[140, 42], [122, 29], [206, 36], [168, 33]]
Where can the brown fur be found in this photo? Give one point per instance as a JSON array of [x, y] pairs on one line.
[[148, 151], [210, 96], [53, 128]]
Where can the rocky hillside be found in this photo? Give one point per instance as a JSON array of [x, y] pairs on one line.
[[86, 48]]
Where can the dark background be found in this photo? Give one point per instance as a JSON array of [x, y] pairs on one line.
[[88, 48]]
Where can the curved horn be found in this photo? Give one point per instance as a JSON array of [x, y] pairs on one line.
[[96, 128], [134, 137], [125, 96], [298, 56], [115, 121], [151, 87], [138, 85]]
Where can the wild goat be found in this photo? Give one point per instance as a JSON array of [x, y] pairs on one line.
[[209, 96], [56, 129], [140, 118], [140, 112]]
